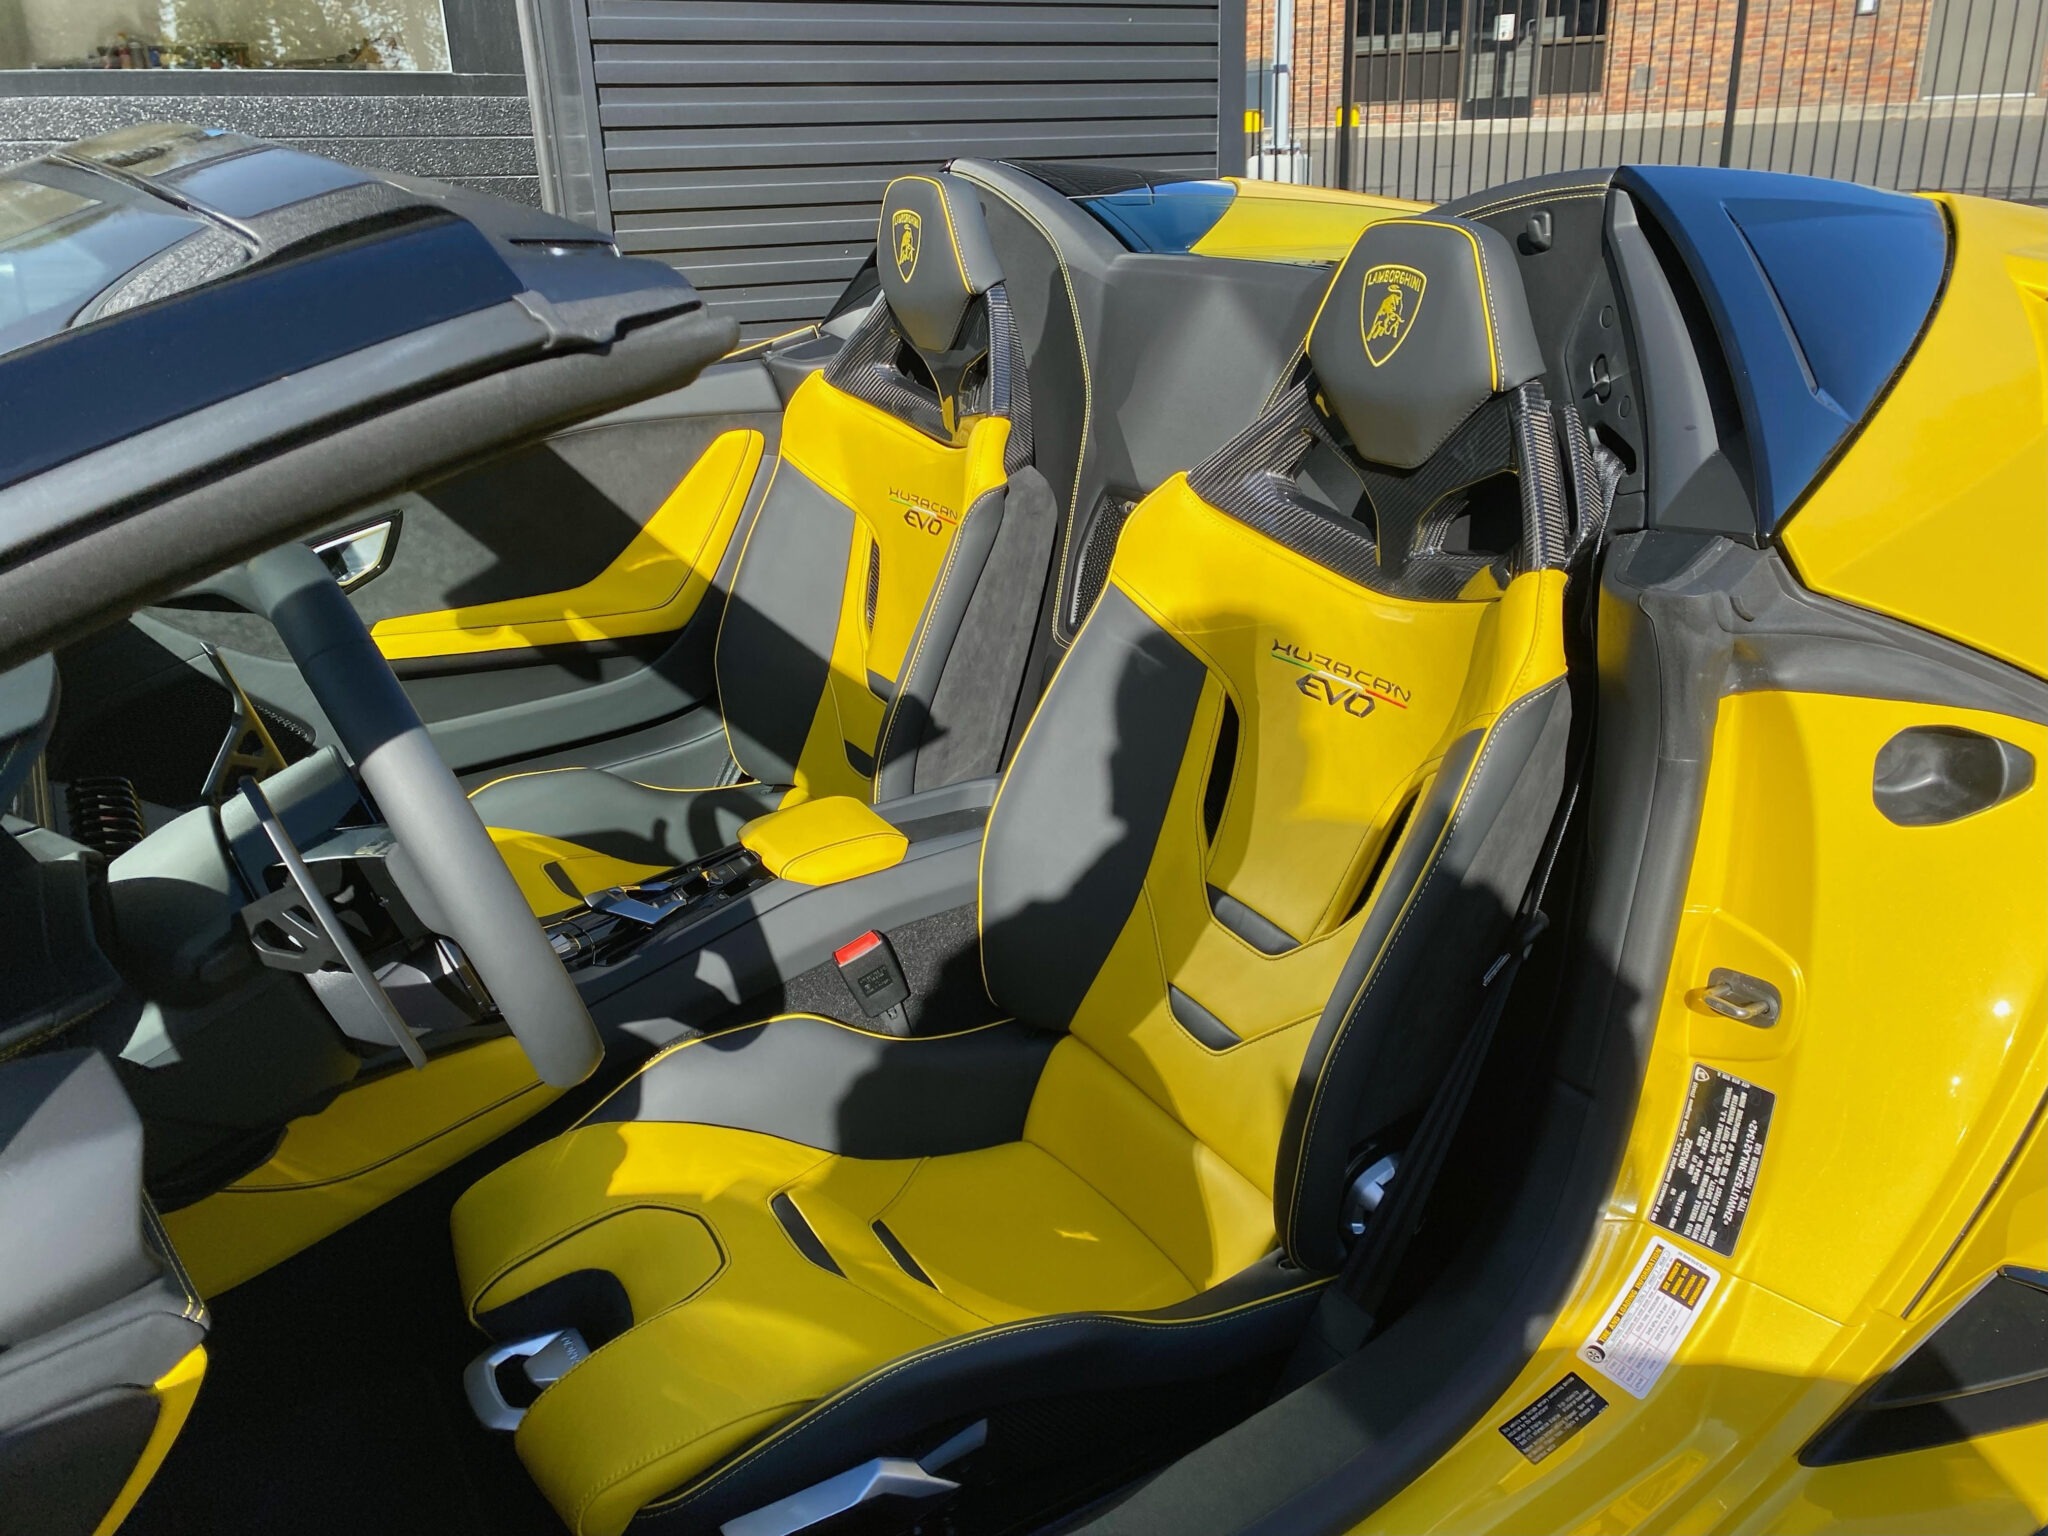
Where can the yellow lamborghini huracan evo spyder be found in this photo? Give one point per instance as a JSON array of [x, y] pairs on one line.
[[1227, 859]]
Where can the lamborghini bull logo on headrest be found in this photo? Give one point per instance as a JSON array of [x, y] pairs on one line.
[[906, 235], [1387, 308]]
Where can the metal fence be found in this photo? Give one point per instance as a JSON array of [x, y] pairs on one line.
[[1431, 99]]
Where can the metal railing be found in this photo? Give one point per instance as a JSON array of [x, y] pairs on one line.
[[1431, 99]]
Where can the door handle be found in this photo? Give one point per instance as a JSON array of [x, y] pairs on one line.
[[361, 553]]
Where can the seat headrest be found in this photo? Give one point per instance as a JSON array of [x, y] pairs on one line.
[[936, 256], [1425, 322]]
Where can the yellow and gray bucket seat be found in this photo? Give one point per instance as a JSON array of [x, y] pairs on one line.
[[1238, 891], [875, 637]]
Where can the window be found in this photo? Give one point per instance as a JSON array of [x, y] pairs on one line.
[[65, 238], [223, 34]]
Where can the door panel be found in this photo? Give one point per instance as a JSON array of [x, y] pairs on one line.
[[651, 587], [559, 604]]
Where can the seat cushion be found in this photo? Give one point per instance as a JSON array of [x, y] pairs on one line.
[[762, 1275]]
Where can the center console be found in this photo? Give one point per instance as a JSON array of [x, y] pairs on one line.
[[676, 951]]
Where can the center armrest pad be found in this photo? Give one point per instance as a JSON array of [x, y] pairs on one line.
[[821, 842], [841, 1089]]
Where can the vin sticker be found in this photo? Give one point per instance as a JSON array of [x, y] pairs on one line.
[[1714, 1162], [1649, 1320], [1554, 1417]]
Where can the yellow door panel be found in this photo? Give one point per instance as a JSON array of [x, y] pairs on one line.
[[375, 1141], [1938, 512], [1685, 1372], [652, 588]]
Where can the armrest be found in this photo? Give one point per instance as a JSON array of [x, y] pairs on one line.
[[822, 842]]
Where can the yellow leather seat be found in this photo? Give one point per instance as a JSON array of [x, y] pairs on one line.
[[902, 514], [1261, 840]]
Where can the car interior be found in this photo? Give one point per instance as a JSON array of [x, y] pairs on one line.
[[849, 943]]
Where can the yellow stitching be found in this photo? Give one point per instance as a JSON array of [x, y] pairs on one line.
[[718, 640], [1485, 291], [952, 235], [1522, 199], [561, 1235], [931, 1352]]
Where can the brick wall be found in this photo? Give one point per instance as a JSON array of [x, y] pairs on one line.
[[1660, 58]]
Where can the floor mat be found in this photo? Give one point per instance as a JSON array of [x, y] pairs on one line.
[[333, 1395]]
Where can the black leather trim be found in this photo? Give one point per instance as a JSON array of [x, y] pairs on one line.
[[1206, 1029], [1068, 844], [1257, 930], [1253, 1315], [1412, 979], [798, 1229], [909, 715], [775, 646], [1467, 336], [844, 1090], [899, 1253], [952, 260]]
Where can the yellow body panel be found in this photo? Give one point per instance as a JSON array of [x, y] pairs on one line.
[[652, 588], [374, 1141], [175, 1392], [1938, 512], [1909, 1060], [1275, 221], [821, 842]]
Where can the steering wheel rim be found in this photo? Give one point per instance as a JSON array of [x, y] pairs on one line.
[[437, 829]]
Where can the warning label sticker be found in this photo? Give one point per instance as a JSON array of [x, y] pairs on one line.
[[1649, 1320], [1714, 1162], [1554, 1417]]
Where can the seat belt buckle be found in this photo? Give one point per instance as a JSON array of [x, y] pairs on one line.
[[874, 976]]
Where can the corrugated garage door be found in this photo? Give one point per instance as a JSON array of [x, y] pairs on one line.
[[748, 141]]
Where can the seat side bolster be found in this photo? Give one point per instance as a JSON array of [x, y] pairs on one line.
[[827, 1085], [1252, 1315], [1412, 980], [903, 728]]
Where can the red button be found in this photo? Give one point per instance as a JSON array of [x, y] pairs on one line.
[[846, 954]]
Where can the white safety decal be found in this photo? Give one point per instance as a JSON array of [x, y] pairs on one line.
[[1649, 1320]]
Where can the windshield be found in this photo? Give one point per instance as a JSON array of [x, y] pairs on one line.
[[64, 240]]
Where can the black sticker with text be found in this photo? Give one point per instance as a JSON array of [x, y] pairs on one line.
[[1714, 1162], [1554, 1417]]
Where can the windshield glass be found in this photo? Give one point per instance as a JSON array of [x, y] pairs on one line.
[[62, 245]]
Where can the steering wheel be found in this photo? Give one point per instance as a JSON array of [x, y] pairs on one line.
[[437, 829]]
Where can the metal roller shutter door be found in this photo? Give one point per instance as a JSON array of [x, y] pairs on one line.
[[748, 141]]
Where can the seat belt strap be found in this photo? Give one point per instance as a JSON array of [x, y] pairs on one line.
[[1347, 1315]]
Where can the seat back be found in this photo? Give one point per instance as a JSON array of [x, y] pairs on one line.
[[1273, 815], [880, 540]]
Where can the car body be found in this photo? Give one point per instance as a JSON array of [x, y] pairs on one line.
[[1746, 1228]]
